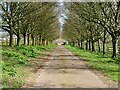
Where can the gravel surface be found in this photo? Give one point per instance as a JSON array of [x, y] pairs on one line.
[[65, 70]]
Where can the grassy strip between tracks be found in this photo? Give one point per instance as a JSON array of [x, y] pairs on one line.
[[104, 63], [18, 63]]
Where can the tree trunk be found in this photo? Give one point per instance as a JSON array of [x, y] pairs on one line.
[[93, 45], [103, 47], [104, 41], [11, 43], [45, 42], [33, 40], [114, 47], [11, 38], [18, 40], [24, 39], [41, 41], [99, 45], [37, 40], [89, 45], [28, 39], [78, 43], [81, 46], [18, 34], [86, 45]]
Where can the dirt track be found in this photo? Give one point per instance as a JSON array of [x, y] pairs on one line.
[[65, 70]]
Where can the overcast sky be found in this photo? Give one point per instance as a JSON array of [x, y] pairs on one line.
[[62, 14]]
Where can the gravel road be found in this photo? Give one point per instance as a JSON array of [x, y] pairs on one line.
[[65, 70]]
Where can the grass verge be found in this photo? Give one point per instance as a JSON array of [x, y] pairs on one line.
[[103, 63], [17, 63]]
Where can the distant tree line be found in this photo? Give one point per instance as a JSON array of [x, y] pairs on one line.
[[91, 23], [35, 22]]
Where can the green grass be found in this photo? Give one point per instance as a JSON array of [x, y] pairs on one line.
[[103, 63], [17, 62]]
